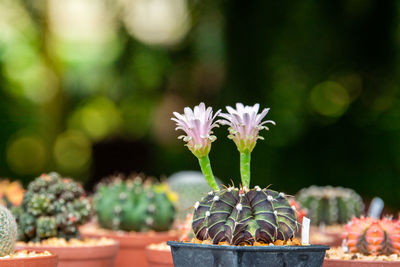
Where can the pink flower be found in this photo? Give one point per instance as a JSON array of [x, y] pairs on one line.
[[245, 124], [197, 124]]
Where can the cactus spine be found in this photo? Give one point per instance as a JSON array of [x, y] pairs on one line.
[[8, 232], [330, 205], [133, 205], [238, 216], [52, 207], [372, 236]]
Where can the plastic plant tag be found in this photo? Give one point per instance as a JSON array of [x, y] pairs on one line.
[[305, 231], [375, 208]]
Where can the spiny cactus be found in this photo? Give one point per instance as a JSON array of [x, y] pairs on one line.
[[190, 187], [133, 205], [8, 232], [330, 205], [52, 207], [240, 216], [11, 193], [232, 215], [373, 236]]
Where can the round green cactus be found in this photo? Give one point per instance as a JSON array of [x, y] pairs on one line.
[[8, 232], [190, 187], [52, 207], [133, 205], [330, 205], [240, 216]]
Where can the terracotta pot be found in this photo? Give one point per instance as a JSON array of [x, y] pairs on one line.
[[358, 263], [333, 238], [82, 256], [159, 258], [132, 245], [40, 261]]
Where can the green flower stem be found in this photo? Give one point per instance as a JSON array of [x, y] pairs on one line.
[[245, 168], [207, 172]]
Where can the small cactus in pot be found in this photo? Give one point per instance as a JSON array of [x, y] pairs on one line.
[[52, 207], [133, 205], [327, 205], [233, 215], [372, 236]]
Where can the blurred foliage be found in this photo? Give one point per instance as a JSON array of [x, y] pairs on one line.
[[87, 88]]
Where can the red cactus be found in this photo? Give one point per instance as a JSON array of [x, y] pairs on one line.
[[373, 236]]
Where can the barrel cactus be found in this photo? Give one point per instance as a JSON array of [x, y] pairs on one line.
[[190, 186], [133, 205], [373, 236], [8, 232], [330, 205], [52, 207], [227, 214]]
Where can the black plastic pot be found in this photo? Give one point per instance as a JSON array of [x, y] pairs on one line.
[[199, 255]]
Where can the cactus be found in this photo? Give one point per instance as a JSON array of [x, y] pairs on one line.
[[11, 193], [52, 207], [190, 187], [133, 205], [373, 236], [330, 205], [8, 232], [240, 216]]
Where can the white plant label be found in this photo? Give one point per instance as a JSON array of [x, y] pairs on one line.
[[376, 207], [305, 231]]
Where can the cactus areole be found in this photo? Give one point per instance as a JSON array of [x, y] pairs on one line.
[[227, 214]]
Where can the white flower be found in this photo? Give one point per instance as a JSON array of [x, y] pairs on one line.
[[244, 125], [197, 124]]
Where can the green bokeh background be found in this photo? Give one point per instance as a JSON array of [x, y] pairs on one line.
[[87, 90]]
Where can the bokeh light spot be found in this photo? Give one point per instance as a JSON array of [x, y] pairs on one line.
[[26, 154], [98, 118], [157, 21], [329, 99], [72, 150]]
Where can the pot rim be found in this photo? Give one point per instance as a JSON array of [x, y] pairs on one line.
[[46, 247], [36, 258], [250, 248]]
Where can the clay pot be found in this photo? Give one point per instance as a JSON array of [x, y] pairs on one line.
[[40, 261], [159, 258], [358, 263], [82, 256], [132, 245]]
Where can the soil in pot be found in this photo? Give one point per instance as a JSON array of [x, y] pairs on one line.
[[131, 245], [78, 253], [190, 254], [159, 255], [29, 259], [336, 257]]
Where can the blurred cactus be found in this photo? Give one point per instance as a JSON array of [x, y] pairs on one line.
[[190, 187], [373, 236], [8, 232], [330, 205], [11, 193], [52, 207], [133, 205]]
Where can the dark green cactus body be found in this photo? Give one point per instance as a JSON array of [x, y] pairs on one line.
[[132, 205], [8, 232], [52, 207], [237, 217], [330, 205]]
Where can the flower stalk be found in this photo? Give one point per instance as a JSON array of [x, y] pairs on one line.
[[245, 158], [205, 166]]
